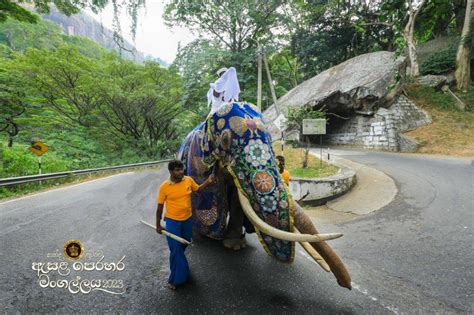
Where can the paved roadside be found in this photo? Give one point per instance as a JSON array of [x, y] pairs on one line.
[[373, 191]]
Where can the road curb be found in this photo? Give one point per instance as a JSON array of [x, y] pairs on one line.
[[373, 190], [318, 191]]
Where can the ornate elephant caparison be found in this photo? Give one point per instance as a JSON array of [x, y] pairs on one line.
[[235, 144]]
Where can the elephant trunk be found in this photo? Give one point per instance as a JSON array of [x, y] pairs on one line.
[[303, 223]]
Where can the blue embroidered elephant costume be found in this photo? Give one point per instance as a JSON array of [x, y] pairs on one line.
[[235, 138]]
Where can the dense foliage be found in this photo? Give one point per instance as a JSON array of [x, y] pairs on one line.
[[91, 107], [300, 38], [440, 62], [95, 109]]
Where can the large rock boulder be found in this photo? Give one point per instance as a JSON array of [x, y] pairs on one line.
[[361, 84]]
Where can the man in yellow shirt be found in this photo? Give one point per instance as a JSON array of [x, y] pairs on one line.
[[281, 167], [176, 193]]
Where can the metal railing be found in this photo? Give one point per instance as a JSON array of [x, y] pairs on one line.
[[36, 178]]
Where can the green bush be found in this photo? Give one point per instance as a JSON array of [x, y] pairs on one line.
[[468, 98], [437, 98], [19, 161], [440, 62]]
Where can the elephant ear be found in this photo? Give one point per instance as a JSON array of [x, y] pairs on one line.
[[251, 161], [209, 212]]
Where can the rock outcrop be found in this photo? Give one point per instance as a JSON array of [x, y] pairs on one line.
[[362, 100], [360, 84]]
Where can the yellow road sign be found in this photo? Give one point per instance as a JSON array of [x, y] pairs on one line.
[[39, 148]]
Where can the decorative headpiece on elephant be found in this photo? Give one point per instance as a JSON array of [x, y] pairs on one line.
[[235, 141]]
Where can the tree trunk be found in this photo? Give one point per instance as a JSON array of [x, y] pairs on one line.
[[12, 133], [409, 35], [463, 57], [459, 14]]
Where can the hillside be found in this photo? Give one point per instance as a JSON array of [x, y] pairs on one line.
[[452, 131], [85, 25]]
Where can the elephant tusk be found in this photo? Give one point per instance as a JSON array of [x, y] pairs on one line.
[[276, 233], [314, 254]]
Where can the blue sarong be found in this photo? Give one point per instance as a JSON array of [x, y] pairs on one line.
[[178, 262]]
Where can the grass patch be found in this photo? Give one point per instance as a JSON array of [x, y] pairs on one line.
[[294, 161], [468, 98], [452, 130], [431, 98]]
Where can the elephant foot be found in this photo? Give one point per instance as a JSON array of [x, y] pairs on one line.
[[235, 243]]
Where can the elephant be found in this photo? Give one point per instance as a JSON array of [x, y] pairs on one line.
[[235, 145]]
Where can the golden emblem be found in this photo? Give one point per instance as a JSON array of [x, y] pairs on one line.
[[73, 250]]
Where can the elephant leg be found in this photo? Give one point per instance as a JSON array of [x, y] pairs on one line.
[[234, 238], [304, 225]]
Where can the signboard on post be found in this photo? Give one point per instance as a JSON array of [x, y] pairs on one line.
[[39, 148], [314, 126]]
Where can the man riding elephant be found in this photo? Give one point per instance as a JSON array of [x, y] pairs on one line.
[[234, 143]]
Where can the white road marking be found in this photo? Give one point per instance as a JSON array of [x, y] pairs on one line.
[[67, 187], [391, 308], [357, 287]]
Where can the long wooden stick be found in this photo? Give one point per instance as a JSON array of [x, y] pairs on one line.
[[164, 232]]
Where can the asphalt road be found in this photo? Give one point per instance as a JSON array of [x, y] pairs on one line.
[[417, 253], [413, 255]]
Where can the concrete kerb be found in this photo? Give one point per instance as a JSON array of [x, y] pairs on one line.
[[321, 190], [373, 189]]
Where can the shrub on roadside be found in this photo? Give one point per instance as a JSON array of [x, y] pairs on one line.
[[441, 62]]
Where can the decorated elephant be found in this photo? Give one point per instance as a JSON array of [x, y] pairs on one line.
[[235, 144]]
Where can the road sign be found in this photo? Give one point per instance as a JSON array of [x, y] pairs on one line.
[[39, 148], [314, 126]]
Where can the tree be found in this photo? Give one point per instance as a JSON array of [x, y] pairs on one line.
[[140, 104], [66, 80], [197, 63], [12, 103], [13, 9], [237, 25], [414, 8], [124, 104], [20, 36], [331, 32], [463, 57], [436, 19], [233, 29]]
